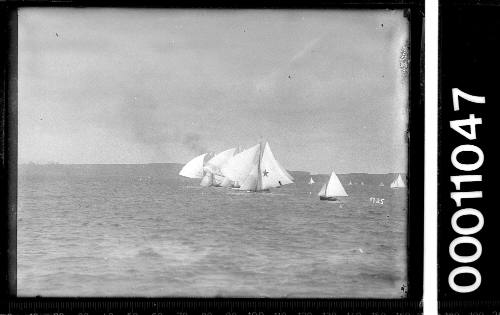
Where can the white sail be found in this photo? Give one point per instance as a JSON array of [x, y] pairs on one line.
[[290, 177], [381, 184], [235, 184], [322, 191], [272, 174], [207, 180], [311, 181], [334, 187], [252, 181], [240, 165], [194, 168], [350, 183], [398, 182], [215, 163]]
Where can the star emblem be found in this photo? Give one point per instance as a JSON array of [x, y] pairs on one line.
[[265, 173]]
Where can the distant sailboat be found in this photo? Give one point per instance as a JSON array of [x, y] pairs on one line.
[[362, 183], [311, 181], [256, 169], [398, 183], [350, 183], [332, 190], [381, 184]]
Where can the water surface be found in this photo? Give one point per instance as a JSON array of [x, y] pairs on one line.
[[141, 230]]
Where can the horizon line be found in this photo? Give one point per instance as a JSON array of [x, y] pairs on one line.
[[150, 163]]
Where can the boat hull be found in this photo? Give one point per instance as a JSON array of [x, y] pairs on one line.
[[251, 191], [328, 198]]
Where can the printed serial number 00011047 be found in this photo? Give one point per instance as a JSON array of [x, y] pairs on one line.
[[458, 195]]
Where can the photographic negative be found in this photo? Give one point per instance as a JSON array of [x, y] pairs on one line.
[[234, 153]]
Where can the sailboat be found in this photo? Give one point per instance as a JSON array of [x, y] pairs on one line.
[[350, 183], [362, 184], [311, 181], [194, 168], [381, 184], [332, 190], [398, 183], [256, 169]]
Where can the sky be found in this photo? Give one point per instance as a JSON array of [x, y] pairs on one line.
[[328, 89]]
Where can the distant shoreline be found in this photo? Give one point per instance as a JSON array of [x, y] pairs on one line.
[[179, 165]]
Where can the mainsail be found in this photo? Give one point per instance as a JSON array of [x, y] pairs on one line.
[[322, 191], [252, 180], [239, 166], [256, 169], [215, 163], [398, 182], [226, 182], [311, 181], [333, 188], [194, 168]]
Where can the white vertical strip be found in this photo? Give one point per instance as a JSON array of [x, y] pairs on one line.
[[431, 124]]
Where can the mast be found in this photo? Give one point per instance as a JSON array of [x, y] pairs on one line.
[[259, 177], [326, 186]]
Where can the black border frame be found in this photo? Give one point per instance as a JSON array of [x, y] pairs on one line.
[[8, 172], [468, 39]]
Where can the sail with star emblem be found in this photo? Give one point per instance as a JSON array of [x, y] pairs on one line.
[[256, 169], [273, 175]]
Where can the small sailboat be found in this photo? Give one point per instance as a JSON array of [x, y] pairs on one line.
[[332, 190], [362, 184], [381, 184], [256, 169], [398, 183], [350, 183], [311, 181]]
